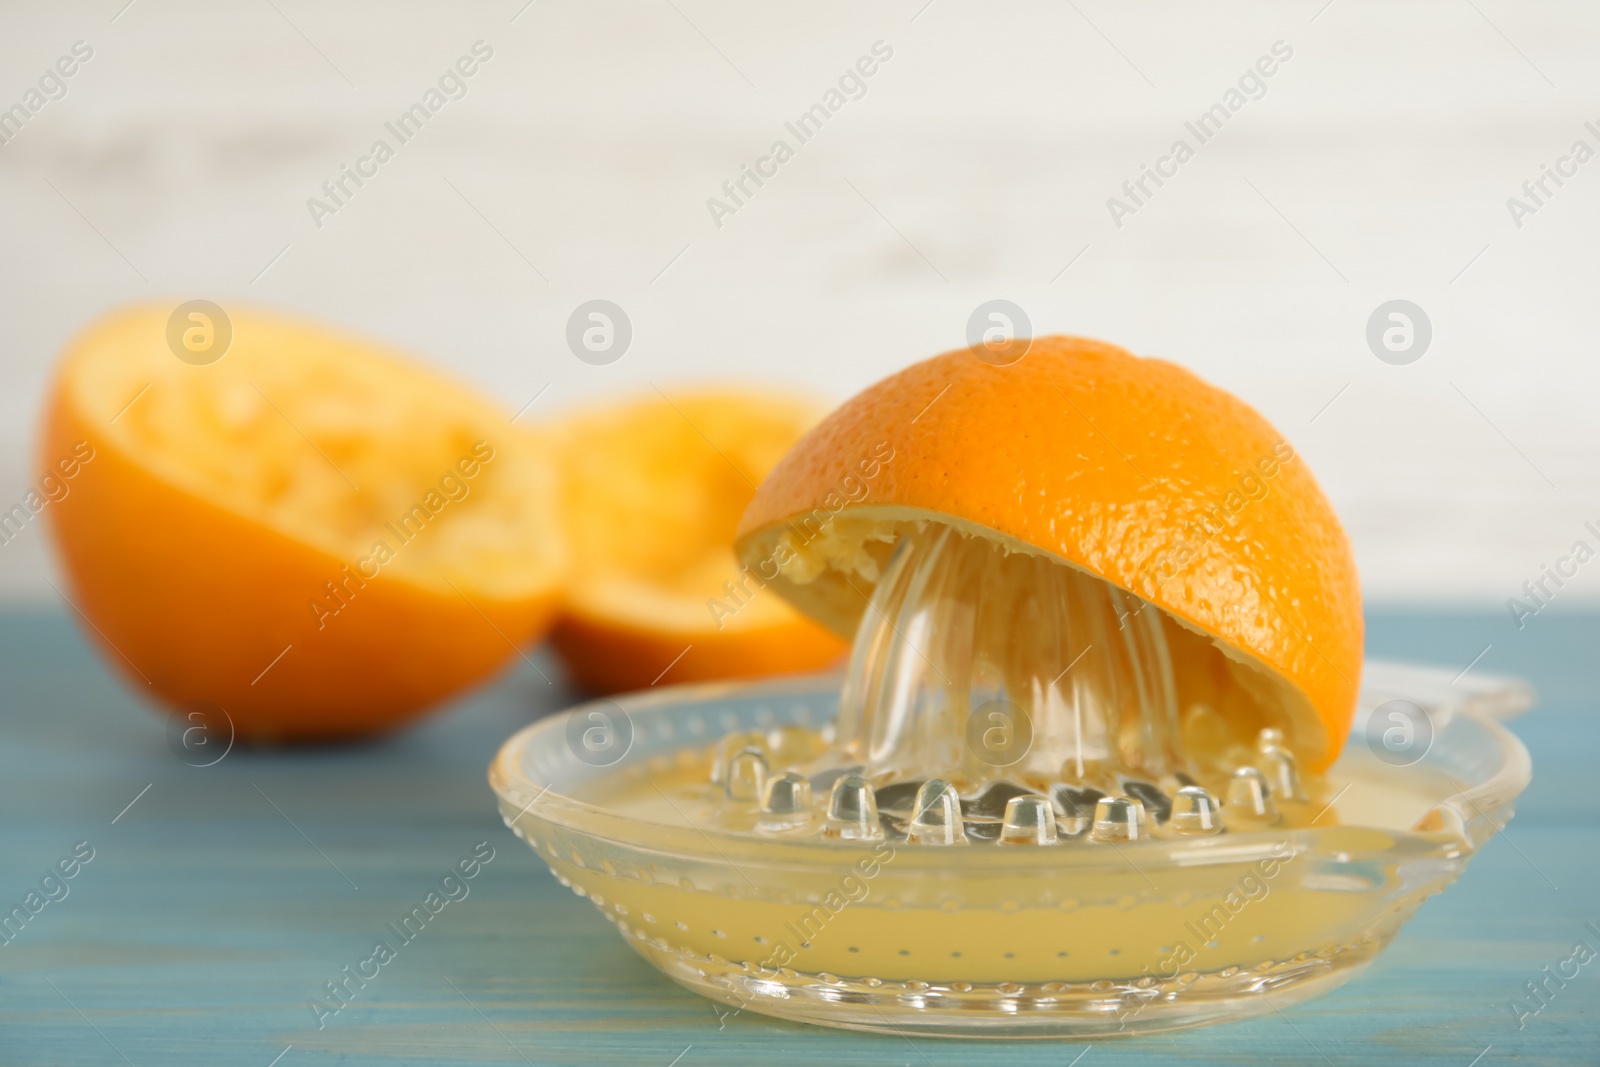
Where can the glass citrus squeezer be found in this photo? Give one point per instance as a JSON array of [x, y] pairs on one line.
[[1016, 813]]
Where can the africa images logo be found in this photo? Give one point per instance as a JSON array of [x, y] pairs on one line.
[[851, 85], [451, 85]]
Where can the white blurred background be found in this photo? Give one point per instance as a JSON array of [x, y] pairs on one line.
[[977, 165]]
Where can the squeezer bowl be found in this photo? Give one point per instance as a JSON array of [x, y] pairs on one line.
[[1078, 939]]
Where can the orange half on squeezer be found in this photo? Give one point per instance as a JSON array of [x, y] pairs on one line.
[[1086, 772]]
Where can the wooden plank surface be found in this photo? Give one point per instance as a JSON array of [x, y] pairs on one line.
[[215, 908]]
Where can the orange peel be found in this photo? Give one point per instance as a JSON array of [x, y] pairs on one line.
[[1132, 469], [313, 533], [653, 490]]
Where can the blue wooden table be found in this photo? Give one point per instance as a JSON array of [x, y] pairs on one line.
[[219, 901]]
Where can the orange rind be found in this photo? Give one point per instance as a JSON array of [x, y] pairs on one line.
[[1133, 470], [653, 490], [312, 533]]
